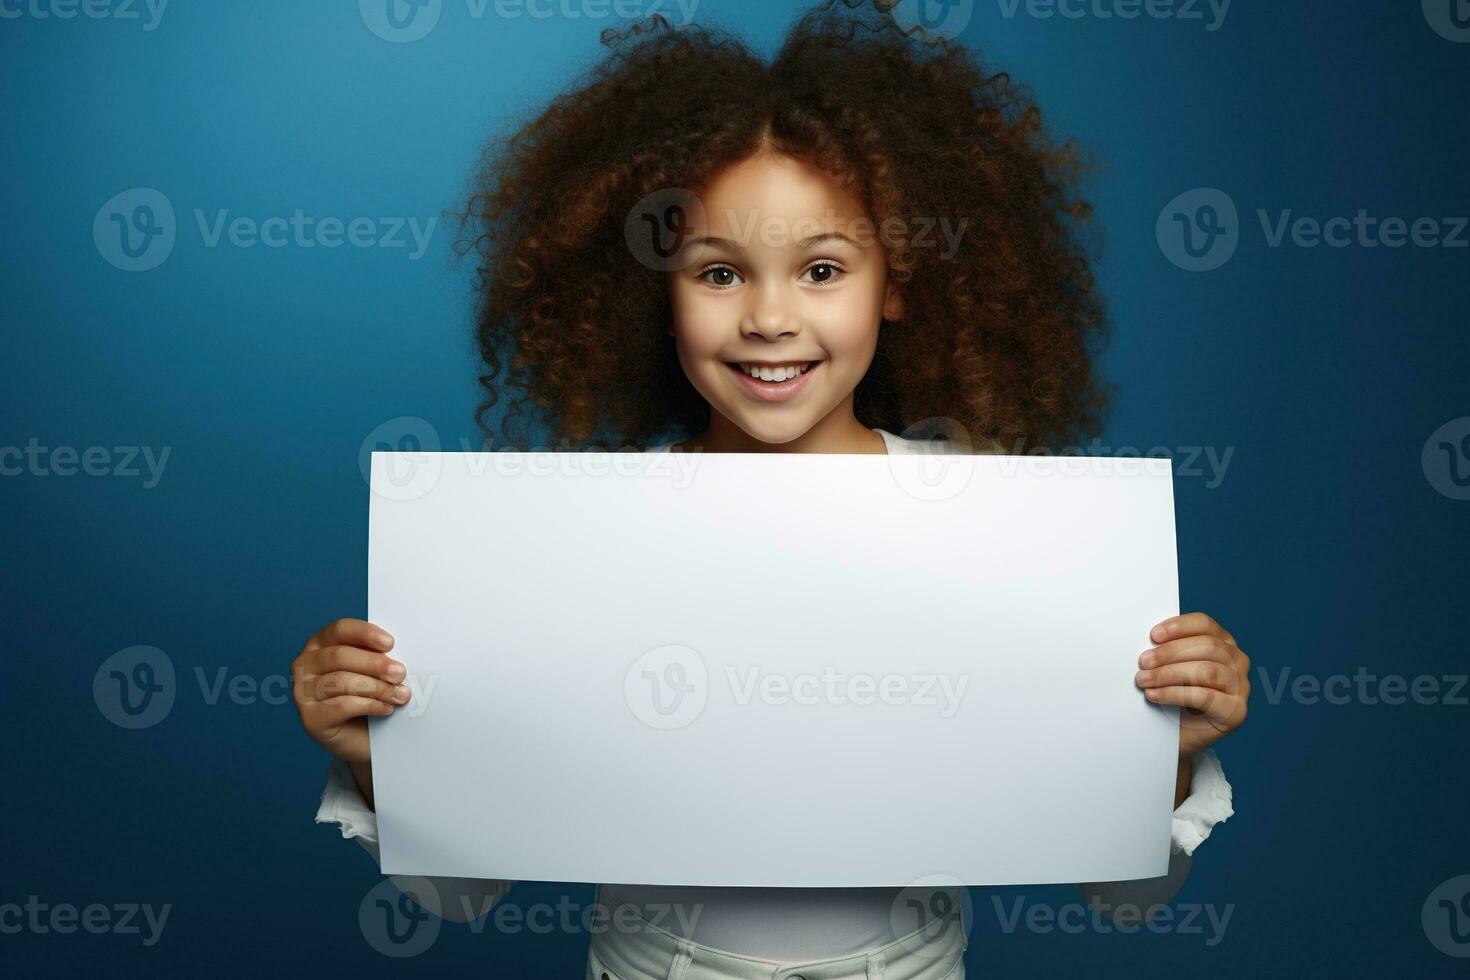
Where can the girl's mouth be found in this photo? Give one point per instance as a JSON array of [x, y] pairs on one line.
[[773, 382]]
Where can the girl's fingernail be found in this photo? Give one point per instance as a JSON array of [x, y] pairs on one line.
[[400, 694], [1140, 677], [396, 672], [1146, 659], [1151, 694], [1160, 631], [385, 641]]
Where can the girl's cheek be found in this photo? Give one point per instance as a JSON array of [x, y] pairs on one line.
[[696, 328], [850, 327], [697, 344]]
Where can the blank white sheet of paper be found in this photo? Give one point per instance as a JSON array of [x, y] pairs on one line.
[[773, 669]]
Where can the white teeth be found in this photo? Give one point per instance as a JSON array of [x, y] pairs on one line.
[[765, 372]]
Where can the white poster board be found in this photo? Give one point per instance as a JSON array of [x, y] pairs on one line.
[[773, 669]]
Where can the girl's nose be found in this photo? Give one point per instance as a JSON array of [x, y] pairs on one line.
[[770, 321]]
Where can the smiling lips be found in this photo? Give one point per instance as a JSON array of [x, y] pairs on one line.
[[774, 382]]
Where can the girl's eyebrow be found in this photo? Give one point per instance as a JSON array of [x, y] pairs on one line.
[[826, 236], [803, 243], [711, 240]]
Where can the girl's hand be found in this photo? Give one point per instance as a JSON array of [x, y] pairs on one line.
[[343, 675], [1197, 666]]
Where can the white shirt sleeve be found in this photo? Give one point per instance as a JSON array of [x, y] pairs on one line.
[[1209, 803], [455, 899]]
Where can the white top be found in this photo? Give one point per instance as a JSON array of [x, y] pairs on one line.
[[792, 924]]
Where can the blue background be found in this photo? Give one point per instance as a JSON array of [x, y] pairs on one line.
[[1325, 370]]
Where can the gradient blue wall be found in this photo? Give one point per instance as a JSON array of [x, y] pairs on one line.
[[1332, 542]]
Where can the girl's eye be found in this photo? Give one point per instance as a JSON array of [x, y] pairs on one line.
[[720, 276], [825, 272], [724, 277]]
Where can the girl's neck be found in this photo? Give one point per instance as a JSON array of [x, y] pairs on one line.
[[837, 432]]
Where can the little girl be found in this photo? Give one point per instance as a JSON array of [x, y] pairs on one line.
[[807, 256]]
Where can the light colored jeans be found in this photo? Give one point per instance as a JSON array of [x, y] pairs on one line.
[[933, 952]]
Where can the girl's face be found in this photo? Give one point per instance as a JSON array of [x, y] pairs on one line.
[[786, 278]]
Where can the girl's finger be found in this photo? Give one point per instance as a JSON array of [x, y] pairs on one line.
[[1194, 673], [339, 682], [335, 711], [1214, 705], [354, 633], [1189, 648], [1241, 661], [356, 660], [1188, 624]]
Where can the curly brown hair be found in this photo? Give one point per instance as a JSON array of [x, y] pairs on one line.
[[998, 336]]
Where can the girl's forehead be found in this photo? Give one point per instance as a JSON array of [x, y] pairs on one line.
[[777, 187]]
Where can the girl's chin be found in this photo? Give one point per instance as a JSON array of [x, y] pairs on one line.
[[775, 431]]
